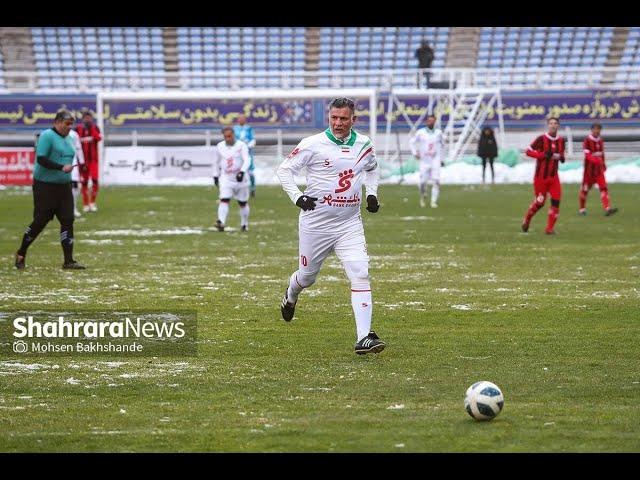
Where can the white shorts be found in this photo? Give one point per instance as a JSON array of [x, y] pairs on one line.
[[429, 171], [240, 191], [314, 248]]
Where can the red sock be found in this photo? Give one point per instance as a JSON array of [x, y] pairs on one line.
[[551, 219], [604, 196], [94, 192], [533, 208], [84, 189], [583, 199]]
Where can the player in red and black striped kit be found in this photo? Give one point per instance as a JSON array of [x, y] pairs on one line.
[[594, 168], [548, 150]]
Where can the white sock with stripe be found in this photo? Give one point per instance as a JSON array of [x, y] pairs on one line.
[[362, 308]]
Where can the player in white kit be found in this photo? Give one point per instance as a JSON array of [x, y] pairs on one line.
[[427, 145], [337, 162], [78, 164], [230, 176]]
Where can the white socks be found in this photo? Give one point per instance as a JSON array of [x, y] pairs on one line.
[[362, 309], [435, 191], [244, 215], [223, 211]]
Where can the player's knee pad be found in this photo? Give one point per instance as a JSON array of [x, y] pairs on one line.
[[358, 273], [555, 203], [225, 200], [242, 204]]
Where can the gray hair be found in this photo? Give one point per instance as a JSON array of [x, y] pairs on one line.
[[343, 102]]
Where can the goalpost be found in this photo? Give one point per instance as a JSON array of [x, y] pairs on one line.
[[369, 95]]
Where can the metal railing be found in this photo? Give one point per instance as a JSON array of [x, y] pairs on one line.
[[502, 78]]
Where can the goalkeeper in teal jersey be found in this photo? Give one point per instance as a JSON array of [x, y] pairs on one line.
[[244, 133]]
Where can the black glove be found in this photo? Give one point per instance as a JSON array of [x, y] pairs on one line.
[[306, 203], [239, 176], [442, 164], [215, 181], [548, 154], [372, 204]]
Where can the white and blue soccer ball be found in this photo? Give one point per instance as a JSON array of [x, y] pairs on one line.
[[483, 400]]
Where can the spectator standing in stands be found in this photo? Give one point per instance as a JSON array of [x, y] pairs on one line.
[[487, 151], [244, 133], [425, 55]]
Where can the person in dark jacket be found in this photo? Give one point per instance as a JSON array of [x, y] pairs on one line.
[[425, 55], [487, 150]]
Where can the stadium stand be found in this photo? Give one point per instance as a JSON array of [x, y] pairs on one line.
[[264, 57], [223, 54], [544, 48], [2, 82], [376, 48], [630, 58], [117, 51]]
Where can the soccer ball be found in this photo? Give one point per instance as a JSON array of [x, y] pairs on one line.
[[483, 400]]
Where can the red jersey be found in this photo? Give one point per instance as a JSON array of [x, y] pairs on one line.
[[542, 149], [593, 165], [89, 138]]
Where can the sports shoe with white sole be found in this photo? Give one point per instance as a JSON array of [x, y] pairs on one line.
[[370, 344], [287, 309]]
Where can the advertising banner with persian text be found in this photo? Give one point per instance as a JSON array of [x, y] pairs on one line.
[[16, 166]]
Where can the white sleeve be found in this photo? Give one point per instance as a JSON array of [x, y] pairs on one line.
[[296, 160], [412, 144], [371, 175], [78, 146], [246, 159]]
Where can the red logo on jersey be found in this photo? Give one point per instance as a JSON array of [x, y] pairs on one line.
[[294, 152], [344, 181], [229, 165]]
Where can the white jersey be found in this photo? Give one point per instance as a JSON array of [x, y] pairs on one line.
[[78, 158], [230, 160], [428, 145], [336, 171]]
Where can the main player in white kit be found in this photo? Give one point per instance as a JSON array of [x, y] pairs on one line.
[[427, 145], [230, 176], [337, 162]]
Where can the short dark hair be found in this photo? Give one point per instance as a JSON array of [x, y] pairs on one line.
[[553, 118], [227, 128], [343, 102], [596, 124], [431, 115], [63, 114], [87, 112]]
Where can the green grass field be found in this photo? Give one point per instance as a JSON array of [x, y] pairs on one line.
[[460, 295]]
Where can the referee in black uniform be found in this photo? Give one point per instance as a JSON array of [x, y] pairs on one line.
[[52, 189]]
